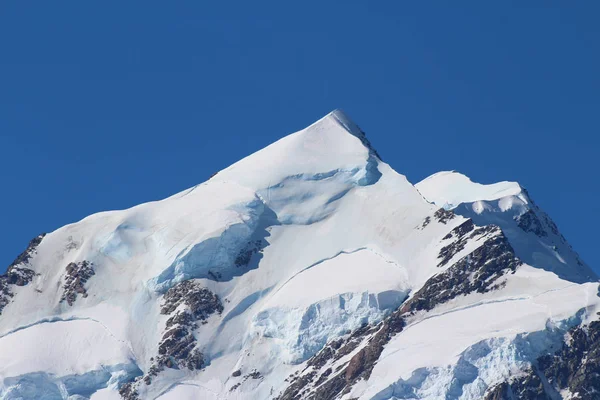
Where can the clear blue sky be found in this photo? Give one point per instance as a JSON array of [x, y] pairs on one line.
[[104, 105]]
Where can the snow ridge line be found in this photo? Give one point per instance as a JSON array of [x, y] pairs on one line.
[[321, 261]]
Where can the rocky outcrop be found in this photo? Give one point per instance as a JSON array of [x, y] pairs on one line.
[[254, 374], [187, 304], [245, 255], [459, 236], [322, 382], [29, 252], [129, 391], [199, 302], [479, 271], [526, 387], [572, 371], [18, 273], [576, 366], [426, 222], [530, 222], [443, 216], [77, 274]]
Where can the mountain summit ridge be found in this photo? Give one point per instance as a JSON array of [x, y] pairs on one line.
[[307, 270]]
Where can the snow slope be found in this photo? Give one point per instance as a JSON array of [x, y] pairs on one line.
[[309, 269]]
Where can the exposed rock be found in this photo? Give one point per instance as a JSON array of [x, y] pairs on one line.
[[236, 373], [443, 216], [551, 225], [188, 303], [191, 303], [177, 350], [17, 273], [76, 277], [479, 271], [199, 301], [295, 390], [525, 387], [252, 375], [530, 222], [576, 366], [129, 391], [360, 365], [26, 255], [323, 376], [245, 255], [426, 222], [255, 375], [460, 241]]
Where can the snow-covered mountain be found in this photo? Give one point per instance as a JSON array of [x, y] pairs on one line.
[[308, 270]]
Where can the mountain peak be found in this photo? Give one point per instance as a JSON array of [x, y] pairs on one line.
[[344, 120], [308, 270], [451, 188], [330, 144]]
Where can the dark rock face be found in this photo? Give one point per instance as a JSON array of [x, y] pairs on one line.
[[75, 278], [426, 222], [443, 216], [480, 271], [530, 222], [177, 348], [129, 392], [245, 255], [187, 303], [200, 302], [17, 273], [320, 386], [576, 366], [527, 387], [25, 256], [459, 234]]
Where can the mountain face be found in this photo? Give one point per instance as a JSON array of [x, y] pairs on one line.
[[308, 270]]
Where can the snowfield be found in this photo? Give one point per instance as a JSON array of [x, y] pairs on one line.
[[279, 276]]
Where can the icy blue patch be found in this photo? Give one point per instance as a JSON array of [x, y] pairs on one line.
[[481, 366], [305, 199], [245, 304], [372, 173], [43, 386], [303, 333], [236, 251], [117, 244]]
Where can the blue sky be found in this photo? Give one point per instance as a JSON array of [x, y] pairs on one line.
[[104, 105]]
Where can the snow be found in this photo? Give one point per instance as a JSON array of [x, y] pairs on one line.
[[76, 357], [514, 326], [329, 238], [503, 204], [348, 272], [450, 189], [188, 392], [66, 349], [328, 299]]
